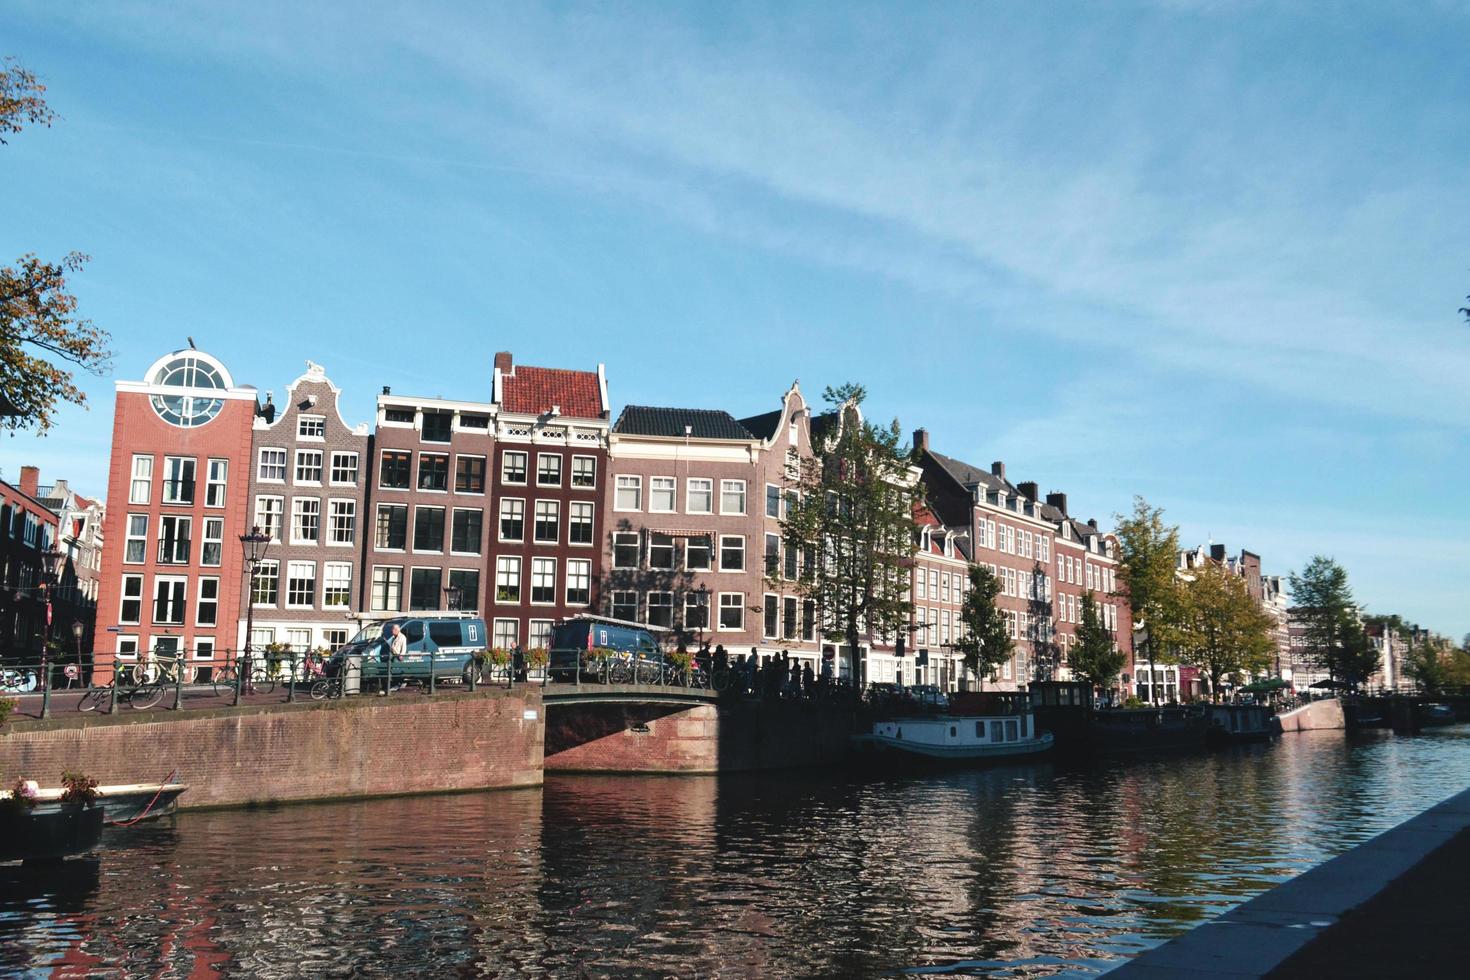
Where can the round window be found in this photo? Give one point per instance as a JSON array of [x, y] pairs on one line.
[[194, 402]]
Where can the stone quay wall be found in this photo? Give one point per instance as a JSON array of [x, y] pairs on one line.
[[255, 754], [653, 738], [1317, 716]]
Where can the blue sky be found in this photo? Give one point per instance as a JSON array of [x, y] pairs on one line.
[[1206, 252]]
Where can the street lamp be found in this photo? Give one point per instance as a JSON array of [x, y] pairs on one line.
[[77, 629], [254, 545], [452, 594], [51, 569]]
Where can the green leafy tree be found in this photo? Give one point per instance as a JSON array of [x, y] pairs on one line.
[[1359, 657], [1148, 554], [851, 516], [1323, 607], [39, 328], [1431, 666], [1225, 632], [1095, 658], [986, 640]]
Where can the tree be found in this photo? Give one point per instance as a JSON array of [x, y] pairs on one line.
[[1148, 555], [1096, 658], [851, 515], [1322, 605], [1224, 630], [1429, 665], [985, 639], [38, 321]]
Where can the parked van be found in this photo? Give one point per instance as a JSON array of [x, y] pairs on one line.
[[450, 639], [573, 637]]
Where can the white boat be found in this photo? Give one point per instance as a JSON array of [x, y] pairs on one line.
[[125, 803], [957, 739]]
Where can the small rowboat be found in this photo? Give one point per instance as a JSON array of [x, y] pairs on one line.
[[126, 803]]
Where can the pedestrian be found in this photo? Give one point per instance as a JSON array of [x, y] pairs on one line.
[[807, 679], [518, 662], [395, 646]]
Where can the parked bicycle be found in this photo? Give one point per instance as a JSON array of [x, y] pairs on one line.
[[327, 687], [14, 681], [162, 670], [260, 681], [139, 696]]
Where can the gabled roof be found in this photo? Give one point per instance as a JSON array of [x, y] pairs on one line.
[[703, 423], [764, 425], [968, 475], [535, 390]]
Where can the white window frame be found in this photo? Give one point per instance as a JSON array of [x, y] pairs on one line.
[[555, 508], [738, 604], [140, 489], [339, 464], [298, 512], [576, 476], [543, 570], [705, 489], [560, 461], [277, 533], [631, 483], [131, 537], [206, 539], [123, 598], [211, 483], [663, 485], [720, 558], [591, 522], [296, 469], [508, 567], [333, 518], [500, 519], [579, 570], [282, 464], [292, 566], [389, 584], [731, 487], [320, 422], [525, 467], [332, 574], [181, 593]]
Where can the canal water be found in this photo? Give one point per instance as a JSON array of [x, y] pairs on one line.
[[1023, 871]]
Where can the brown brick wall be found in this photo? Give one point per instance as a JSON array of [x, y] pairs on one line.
[[355, 747]]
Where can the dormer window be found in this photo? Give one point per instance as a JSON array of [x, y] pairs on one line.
[[398, 414], [311, 427]]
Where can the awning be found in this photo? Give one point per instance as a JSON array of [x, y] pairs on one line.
[[679, 532]]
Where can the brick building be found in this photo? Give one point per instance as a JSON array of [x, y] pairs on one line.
[[941, 580], [549, 467], [1086, 561], [695, 500], [79, 541], [308, 476], [28, 537], [178, 500]]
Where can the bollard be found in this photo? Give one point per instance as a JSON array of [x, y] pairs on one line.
[[291, 681], [179, 683], [431, 673], [112, 691], [239, 681], [388, 680]]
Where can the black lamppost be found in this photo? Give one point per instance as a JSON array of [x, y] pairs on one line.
[[703, 601], [51, 571], [452, 596], [254, 545], [78, 628]]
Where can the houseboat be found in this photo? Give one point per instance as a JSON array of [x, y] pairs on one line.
[[1005, 732], [1231, 723], [123, 803]]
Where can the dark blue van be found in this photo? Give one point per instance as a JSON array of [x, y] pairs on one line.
[[583, 634], [449, 640]]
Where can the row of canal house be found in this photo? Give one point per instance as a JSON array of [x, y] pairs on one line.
[[531, 506]]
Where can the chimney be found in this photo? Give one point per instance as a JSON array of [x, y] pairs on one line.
[[1059, 501], [1092, 523], [30, 480], [387, 390], [503, 363], [1217, 552], [1028, 490], [998, 468], [921, 440]]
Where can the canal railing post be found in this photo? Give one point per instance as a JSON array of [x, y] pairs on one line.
[[431, 673], [45, 689], [388, 679], [112, 690], [179, 683], [474, 670], [239, 677], [291, 680]]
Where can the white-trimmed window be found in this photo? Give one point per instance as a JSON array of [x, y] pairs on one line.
[[174, 534], [696, 613], [135, 549], [215, 482], [203, 648], [773, 500], [699, 497], [265, 584], [512, 519], [660, 551], [732, 553], [428, 530], [548, 522], [732, 610], [538, 634], [579, 522], [584, 472], [309, 466], [170, 599], [271, 466], [661, 609], [392, 528], [661, 493], [771, 616], [212, 550], [300, 584], [344, 469], [629, 493], [548, 469], [625, 549], [507, 631], [298, 640], [625, 605], [141, 488], [469, 474], [127, 647], [773, 555], [507, 579], [306, 520], [579, 581], [698, 553], [467, 583], [268, 516], [434, 472], [543, 581], [342, 521], [131, 610], [387, 593], [921, 584], [513, 467], [336, 585], [311, 427], [732, 496], [467, 529]]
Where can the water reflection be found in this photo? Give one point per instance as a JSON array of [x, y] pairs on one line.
[[1018, 871]]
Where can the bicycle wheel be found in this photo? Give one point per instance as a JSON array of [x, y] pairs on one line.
[[263, 682], [145, 696], [321, 690], [647, 673], [224, 681], [720, 681], [93, 699], [146, 673]]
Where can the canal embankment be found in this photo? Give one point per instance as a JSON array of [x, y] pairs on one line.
[[1392, 906], [294, 752], [1316, 716]]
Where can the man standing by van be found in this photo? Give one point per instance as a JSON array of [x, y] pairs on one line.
[[396, 645]]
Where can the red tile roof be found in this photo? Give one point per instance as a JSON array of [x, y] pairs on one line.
[[533, 390]]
